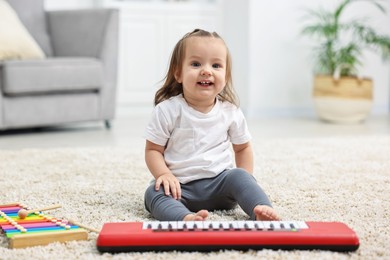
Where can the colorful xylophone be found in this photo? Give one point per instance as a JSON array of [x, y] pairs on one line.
[[36, 229]]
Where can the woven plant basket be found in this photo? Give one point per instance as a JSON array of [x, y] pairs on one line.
[[344, 100]]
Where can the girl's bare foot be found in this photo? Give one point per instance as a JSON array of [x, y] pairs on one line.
[[198, 216], [264, 212]]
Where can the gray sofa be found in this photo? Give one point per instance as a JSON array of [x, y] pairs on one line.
[[76, 81]]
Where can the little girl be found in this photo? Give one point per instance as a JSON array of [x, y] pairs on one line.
[[188, 140]]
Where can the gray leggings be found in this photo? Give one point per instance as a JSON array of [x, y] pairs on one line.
[[225, 191]]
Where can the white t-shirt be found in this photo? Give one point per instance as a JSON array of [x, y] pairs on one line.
[[197, 145]]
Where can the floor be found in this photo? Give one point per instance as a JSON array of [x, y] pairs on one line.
[[127, 131]]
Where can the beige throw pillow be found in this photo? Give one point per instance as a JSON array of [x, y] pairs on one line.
[[15, 41]]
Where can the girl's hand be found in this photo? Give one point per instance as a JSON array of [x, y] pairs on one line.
[[171, 185]]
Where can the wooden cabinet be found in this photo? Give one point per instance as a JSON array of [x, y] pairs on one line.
[[148, 32]]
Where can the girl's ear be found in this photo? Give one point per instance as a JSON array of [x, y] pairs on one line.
[[177, 76]]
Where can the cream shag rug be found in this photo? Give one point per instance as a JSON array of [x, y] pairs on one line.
[[326, 179]]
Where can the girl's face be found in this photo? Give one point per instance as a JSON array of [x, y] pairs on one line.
[[203, 74]]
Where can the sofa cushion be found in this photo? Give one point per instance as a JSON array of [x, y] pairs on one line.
[[33, 16], [15, 41], [42, 110], [66, 74]]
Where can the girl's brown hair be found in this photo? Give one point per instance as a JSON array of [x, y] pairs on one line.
[[173, 88]]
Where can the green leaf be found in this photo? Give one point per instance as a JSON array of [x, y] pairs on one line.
[[341, 44]]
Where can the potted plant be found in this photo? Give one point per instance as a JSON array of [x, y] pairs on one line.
[[340, 94]]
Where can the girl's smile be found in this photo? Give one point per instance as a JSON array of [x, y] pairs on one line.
[[205, 83]]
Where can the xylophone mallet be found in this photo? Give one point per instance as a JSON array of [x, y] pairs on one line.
[[23, 213], [83, 226]]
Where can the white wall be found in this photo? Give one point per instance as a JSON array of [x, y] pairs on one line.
[[236, 35], [68, 4], [280, 68]]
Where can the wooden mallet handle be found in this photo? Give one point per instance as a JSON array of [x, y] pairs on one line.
[[83, 226], [23, 213]]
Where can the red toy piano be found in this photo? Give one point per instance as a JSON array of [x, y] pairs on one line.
[[217, 235]]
